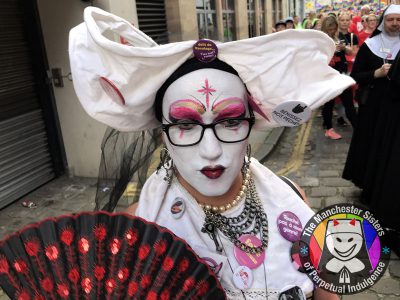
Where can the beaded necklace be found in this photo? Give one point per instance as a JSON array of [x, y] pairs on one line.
[[253, 216]]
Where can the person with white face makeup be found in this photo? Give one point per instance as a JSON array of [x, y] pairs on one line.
[[206, 119], [202, 99], [218, 98]]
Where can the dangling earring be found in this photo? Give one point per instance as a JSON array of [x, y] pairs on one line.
[[246, 163], [167, 164]]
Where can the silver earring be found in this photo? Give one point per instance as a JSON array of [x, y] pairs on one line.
[[246, 163], [167, 164]]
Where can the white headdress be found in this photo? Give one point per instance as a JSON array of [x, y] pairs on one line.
[[117, 83]]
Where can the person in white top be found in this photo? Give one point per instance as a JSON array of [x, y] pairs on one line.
[[206, 97], [206, 121]]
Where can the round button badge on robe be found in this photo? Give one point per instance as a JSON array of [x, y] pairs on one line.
[[289, 226], [298, 249], [250, 260], [178, 208], [242, 278]]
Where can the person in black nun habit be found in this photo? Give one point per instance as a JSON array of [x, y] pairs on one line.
[[370, 70], [373, 160], [381, 189]]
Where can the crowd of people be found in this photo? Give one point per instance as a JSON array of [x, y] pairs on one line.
[[373, 162], [349, 30], [368, 52]]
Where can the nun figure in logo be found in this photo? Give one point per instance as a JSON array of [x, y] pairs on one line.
[[203, 99], [345, 257]]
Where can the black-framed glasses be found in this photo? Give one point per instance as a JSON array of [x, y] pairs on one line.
[[231, 130]]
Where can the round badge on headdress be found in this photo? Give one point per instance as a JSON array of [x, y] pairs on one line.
[[205, 50], [291, 113]]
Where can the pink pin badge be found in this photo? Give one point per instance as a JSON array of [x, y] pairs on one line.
[[205, 50], [289, 226], [250, 260]]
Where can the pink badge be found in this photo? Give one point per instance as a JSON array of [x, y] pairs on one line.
[[249, 259], [289, 226]]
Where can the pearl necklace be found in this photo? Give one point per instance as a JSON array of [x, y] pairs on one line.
[[239, 197]]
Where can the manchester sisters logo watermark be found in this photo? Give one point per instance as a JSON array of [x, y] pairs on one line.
[[343, 249]]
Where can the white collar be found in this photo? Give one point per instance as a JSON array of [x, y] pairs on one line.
[[384, 45]]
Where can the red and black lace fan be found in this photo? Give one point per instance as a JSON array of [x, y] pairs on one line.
[[102, 256]]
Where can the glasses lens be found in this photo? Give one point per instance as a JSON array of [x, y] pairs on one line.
[[232, 130], [185, 133]]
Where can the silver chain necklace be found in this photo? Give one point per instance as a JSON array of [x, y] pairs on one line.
[[253, 216]]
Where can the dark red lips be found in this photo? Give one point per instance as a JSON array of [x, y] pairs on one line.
[[213, 172]]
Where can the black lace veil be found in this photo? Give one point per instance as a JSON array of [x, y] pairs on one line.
[[125, 157]]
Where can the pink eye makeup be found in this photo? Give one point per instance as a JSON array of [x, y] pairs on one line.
[[186, 109], [193, 109], [229, 108]]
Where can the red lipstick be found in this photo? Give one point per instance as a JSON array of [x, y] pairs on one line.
[[213, 172]]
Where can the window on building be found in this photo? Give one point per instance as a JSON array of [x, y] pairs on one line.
[[280, 12], [251, 14], [228, 18], [152, 20], [206, 19], [262, 17], [274, 19]]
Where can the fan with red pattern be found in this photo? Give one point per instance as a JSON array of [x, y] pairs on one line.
[[102, 256]]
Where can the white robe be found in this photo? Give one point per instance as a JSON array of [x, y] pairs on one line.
[[155, 205]]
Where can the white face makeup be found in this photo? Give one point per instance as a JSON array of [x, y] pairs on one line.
[[206, 96]]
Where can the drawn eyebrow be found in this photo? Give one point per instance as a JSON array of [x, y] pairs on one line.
[[230, 107], [186, 109], [195, 104], [218, 107]]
